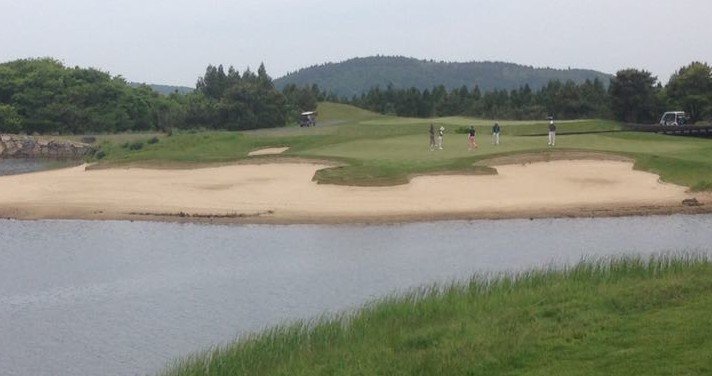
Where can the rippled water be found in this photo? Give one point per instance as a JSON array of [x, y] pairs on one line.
[[123, 298]]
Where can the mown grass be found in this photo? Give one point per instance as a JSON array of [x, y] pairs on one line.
[[381, 150], [624, 316]]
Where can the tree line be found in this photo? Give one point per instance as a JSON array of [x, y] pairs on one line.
[[43, 96], [358, 75], [632, 95]]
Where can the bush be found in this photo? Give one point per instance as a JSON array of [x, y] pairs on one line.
[[88, 139], [152, 140], [100, 154], [125, 145], [138, 145]]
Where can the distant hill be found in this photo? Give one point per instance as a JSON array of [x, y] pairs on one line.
[[165, 89], [358, 75]]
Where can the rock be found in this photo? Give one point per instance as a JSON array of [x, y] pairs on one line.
[[691, 202], [29, 147]]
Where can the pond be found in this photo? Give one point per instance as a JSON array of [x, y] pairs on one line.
[[23, 166], [126, 298]]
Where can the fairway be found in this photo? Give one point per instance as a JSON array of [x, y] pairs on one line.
[[382, 150]]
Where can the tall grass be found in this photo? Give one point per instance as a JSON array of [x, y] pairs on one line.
[[617, 316]]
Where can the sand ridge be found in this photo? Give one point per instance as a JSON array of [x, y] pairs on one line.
[[285, 192]]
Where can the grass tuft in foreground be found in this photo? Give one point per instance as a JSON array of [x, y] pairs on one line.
[[622, 316]]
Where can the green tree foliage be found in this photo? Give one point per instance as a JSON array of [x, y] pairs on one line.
[[300, 99], [51, 98], [690, 88], [564, 100], [44, 96], [633, 96], [234, 102], [357, 76], [10, 120]]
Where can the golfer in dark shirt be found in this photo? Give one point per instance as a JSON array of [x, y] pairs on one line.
[[432, 137], [495, 134], [472, 142]]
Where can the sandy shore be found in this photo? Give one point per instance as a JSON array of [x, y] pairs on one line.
[[285, 193]]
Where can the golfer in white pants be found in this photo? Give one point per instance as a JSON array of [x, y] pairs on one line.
[[441, 131], [552, 133]]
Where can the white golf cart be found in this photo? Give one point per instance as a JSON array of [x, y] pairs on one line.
[[673, 118], [307, 119]]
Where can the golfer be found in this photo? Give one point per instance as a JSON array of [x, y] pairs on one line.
[[495, 133], [552, 133], [471, 141], [441, 132], [432, 137]]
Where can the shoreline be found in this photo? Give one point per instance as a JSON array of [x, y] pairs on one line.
[[270, 192], [24, 214]]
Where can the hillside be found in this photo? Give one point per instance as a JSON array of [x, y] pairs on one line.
[[165, 89], [358, 75]]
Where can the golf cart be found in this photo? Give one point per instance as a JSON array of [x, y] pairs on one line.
[[307, 119], [673, 118]]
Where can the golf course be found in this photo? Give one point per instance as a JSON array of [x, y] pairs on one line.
[[378, 150], [357, 166], [617, 315], [356, 188]]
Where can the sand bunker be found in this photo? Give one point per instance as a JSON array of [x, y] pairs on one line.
[[267, 151], [286, 193]]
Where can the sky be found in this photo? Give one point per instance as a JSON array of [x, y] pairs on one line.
[[173, 41]]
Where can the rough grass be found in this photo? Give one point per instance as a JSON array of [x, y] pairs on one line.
[[625, 316], [381, 150]]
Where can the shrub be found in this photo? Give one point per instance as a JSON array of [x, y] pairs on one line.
[[100, 154], [138, 145], [152, 140]]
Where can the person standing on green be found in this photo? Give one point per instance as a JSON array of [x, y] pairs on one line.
[[472, 142], [495, 133], [552, 132], [432, 137], [441, 132]]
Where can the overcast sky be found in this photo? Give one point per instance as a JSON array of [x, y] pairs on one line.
[[172, 41]]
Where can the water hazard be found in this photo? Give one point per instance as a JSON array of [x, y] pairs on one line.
[[123, 298], [23, 166]]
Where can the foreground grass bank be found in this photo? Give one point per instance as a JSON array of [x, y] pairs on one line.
[[383, 150], [620, 317]]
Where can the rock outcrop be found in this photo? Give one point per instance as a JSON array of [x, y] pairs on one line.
[[13, 146]]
